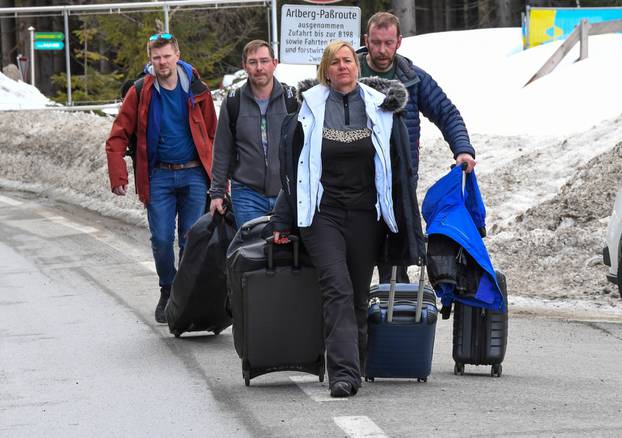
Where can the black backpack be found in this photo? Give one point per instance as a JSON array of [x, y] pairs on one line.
[[233, 104], [132, 142]]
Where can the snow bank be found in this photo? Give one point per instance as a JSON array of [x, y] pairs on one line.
[[16, 95], [548, 177], [61, 155], [484, 72]]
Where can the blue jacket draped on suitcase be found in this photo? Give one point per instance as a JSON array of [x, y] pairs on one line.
[[449, 212]]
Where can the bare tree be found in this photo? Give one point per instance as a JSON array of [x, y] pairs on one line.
[[504, 13], [438, 16], [405, 11], [7, 35], [485, 14]]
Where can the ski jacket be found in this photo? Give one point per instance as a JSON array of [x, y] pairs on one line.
[[301, 167], [141, 116], [240, 154], [460, 217], [427, 97]]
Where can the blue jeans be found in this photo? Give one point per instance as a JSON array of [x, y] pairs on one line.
[[249, 204], [180, 194]]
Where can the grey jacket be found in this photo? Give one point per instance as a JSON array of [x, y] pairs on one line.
[[242, 158]]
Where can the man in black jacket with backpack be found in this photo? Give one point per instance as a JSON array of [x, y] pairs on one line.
[[248, 134]]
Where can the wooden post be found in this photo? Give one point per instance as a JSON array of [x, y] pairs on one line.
[[583, 38], [581, 33]]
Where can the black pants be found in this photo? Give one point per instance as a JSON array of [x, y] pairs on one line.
[[343, 245], [384, 273]]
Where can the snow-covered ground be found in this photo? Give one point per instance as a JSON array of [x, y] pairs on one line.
[[549, 156], [20, 95]]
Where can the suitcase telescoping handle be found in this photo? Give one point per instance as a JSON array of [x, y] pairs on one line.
[[392, 285], [391, 302], [464, 167], [296, 250]]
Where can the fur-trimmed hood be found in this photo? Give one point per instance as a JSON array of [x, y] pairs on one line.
[[395, 92]]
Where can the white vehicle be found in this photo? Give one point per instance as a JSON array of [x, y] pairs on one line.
[[612, 253]]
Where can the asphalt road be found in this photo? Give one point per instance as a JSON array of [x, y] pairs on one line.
[[81, 355]]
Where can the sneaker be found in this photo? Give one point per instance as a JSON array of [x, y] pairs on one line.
[[160, 316], [342, 389]]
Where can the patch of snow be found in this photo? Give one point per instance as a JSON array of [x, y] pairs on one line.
[[549, 156], [16, 95]]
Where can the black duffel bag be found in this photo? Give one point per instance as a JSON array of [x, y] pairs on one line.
[[199, 291]]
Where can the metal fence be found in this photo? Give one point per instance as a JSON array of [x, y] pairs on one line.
[[113, 8]]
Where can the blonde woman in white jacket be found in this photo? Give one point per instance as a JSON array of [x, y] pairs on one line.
[[336, 156]]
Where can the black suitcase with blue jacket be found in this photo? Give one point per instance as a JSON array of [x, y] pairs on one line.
[[480, 335], [401, 330]]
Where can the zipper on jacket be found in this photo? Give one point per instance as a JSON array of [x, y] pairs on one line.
[[444, 223]]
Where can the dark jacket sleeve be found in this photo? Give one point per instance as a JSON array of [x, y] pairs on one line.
[[282, 216], [223, 152], [436, 106], [407, 246]]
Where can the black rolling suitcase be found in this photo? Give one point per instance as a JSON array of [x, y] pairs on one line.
[[197, 301], [480, 335], [276, 306]]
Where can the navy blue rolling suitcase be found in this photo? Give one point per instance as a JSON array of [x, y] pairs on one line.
[[400, 330]]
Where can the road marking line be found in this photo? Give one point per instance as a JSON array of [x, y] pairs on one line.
[[10, 201], [359, 427], [314, 389], [61, 220], [149, 265]]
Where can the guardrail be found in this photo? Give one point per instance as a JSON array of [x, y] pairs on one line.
[[580, 34]]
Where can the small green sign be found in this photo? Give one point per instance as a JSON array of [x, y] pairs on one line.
[[49, 45], [50, 36]]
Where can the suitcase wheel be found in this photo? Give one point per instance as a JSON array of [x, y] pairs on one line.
[[369, 379], [496, 370], [177, 334], [321, 377], [459, 369], [217, 332], [247, 378], [422, 379]]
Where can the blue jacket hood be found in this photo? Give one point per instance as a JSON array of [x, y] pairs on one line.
[[449, 212]]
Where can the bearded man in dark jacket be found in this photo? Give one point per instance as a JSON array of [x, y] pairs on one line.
[[379, 58]]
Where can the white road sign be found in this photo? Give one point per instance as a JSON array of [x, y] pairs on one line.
[[306, 30]]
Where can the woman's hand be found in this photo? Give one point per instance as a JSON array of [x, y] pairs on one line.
[[280, 238]]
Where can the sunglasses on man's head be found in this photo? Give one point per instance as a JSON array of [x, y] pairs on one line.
[[161, 36]]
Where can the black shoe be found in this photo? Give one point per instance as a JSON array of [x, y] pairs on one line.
[[160, 316], [342, 389]]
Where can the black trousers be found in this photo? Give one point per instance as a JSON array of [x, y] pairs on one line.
[[343, 245], [384, 273]]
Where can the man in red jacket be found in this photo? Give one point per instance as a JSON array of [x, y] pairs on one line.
[[174, 122]]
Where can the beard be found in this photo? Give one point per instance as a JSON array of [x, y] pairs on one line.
[[380, 62], [160, 75]]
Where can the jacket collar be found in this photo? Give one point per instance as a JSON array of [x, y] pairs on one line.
[[184, 75], [404, 67], [389, 95], [187, 76]]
